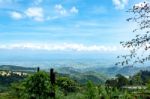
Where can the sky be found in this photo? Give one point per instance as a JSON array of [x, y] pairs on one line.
[[64, 26]]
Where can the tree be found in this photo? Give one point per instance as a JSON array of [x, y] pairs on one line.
[[111, 82], [91, 91], [37, 86], [17, 90], [118, 82], [66, 84], [136, 79], [148, 85], [140, 45], [122, 81]]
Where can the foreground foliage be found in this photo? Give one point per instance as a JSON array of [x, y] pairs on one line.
[[37, 86]]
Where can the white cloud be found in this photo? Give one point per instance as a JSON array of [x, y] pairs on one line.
[[60, 47], [60, 9], [64, 12], [36, 13], [120, 4], [16, 15], [74, 10]]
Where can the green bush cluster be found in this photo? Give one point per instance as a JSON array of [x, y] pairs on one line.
[[38, 86]]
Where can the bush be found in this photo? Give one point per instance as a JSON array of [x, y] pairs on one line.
[[66, 84], [90, 91], [37, 86]]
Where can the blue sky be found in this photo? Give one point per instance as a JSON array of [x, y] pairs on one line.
[[61, 25]]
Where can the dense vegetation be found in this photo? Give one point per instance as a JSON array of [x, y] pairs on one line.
[[38, 86]]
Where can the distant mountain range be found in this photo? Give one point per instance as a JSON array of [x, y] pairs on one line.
[[82, 75], [107, 71], [99, 74], [112, 71], [16, 68]]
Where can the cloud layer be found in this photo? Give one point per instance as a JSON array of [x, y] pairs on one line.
[[60, 47]]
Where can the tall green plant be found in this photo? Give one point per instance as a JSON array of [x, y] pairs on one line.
[[90, 90], [37, 86]]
